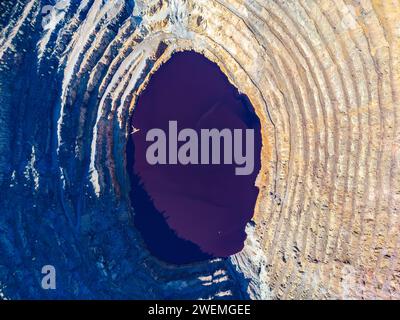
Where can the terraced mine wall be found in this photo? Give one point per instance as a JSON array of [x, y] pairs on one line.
[[324, 79]]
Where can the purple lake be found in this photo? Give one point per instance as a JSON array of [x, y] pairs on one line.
[[192, 212]]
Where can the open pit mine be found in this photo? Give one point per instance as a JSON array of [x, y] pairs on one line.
[[317, 82]]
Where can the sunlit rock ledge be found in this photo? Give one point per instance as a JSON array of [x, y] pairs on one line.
[[324, 79]]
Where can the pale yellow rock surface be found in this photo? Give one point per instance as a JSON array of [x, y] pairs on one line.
[[324, 77]]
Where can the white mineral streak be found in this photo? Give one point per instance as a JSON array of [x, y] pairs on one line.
[[30, 170]]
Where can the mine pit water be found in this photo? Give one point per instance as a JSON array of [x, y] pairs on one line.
[[193, 212]]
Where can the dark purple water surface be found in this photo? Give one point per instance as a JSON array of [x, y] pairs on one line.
[[193, 212]]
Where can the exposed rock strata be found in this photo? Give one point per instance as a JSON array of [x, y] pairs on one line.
[[324, 77]]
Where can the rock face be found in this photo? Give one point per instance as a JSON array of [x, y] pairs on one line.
[[324, 79]]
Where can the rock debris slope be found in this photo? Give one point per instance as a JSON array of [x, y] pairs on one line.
[[324, 77]]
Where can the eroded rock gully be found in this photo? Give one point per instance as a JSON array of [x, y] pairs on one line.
[[324, 79]]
